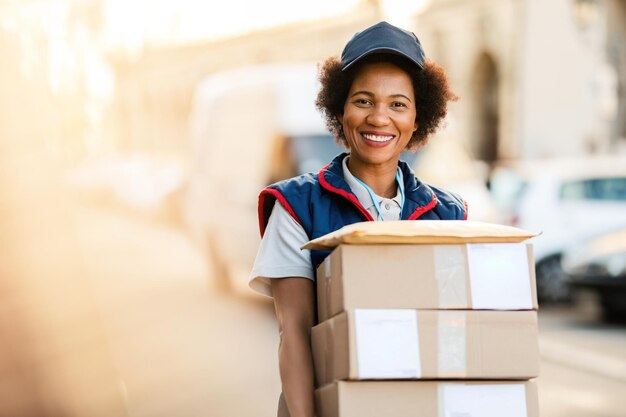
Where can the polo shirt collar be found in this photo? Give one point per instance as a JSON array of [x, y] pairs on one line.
[[361, 192]]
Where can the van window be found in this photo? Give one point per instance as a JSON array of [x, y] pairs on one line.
[[313, 152]]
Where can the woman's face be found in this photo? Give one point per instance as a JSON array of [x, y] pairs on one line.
[[379, 114]]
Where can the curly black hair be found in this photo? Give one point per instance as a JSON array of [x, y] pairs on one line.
[[430, 86]]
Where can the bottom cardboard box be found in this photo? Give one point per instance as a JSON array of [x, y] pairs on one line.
[[428, 399]]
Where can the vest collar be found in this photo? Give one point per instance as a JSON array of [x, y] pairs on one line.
[[331, 179], [419, 197]]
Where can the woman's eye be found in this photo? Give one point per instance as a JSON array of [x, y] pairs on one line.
[[363, 101], [398, 104]]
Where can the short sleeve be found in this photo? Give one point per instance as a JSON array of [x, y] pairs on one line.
[[279, 254]]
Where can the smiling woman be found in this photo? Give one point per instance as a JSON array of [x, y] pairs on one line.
[[378, 120], [381, 98]]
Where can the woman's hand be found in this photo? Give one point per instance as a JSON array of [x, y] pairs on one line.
[[294, 300]]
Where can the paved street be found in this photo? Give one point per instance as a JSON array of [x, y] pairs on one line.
[[583, 369], [182, 350]]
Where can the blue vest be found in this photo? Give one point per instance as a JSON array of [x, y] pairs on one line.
[[322, 203]]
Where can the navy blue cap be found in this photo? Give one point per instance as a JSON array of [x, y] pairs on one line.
[[386, 38]]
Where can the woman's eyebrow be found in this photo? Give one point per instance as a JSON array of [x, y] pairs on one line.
[[401, 95], [367, 93]]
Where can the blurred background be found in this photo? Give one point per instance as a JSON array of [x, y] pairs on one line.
[[135, 136]]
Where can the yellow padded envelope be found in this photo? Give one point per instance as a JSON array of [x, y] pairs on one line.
[[420, 231]]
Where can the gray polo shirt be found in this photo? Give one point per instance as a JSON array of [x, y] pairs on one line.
[[279, 254]]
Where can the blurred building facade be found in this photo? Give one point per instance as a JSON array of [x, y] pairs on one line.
[[154, 91], [536, 78]]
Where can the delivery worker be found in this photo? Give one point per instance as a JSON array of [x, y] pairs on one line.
[[381, 98]]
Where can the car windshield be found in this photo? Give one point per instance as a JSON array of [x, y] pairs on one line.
[[607, 189]]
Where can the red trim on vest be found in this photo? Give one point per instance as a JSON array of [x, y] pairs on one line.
[[282, 201], [466, 210], [423, 209], [350, 197]]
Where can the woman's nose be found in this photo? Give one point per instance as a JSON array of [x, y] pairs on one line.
[[378, 116]]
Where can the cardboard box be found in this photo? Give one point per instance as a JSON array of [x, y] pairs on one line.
[[474, 276], [428, 399], [426, 344]]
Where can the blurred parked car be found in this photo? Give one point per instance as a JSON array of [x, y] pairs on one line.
[[599, 264], [568, 200]]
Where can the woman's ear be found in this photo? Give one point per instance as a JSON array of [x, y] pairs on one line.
[[340, 118]]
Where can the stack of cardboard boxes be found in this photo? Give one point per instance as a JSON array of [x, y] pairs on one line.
[[445, 327]]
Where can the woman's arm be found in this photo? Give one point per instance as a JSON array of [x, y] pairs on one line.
[[294, 300]]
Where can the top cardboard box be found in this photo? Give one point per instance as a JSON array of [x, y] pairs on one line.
[[425, 264], [491, 276]]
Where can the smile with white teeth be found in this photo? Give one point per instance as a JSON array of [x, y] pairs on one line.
[[377, 138]]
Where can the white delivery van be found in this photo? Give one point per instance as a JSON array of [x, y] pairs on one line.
[[249, 127]]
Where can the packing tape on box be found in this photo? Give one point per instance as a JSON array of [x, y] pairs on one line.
[[482, 400], [329, 357], [451, 274], [327, 268], [451, 344], [327, 278]]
